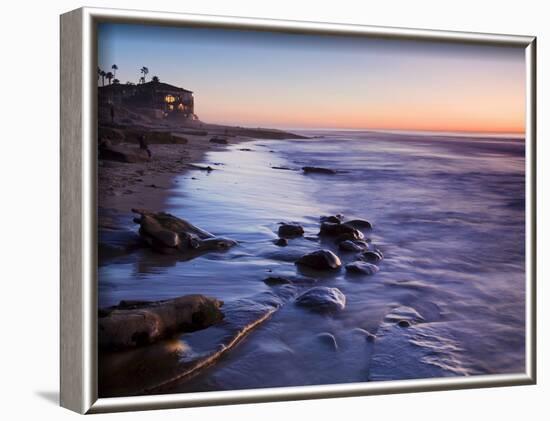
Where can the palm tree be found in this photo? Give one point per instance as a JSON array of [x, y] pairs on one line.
[[102, 74], [109, 76], [115, 68], [155, 79], [142, 79], [98, 73], [145, 71]]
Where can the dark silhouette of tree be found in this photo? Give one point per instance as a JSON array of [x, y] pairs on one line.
[[109, 76], [114, 67], [145, 71], [142, 79], [155, 79], [116, 81], [102, 74]]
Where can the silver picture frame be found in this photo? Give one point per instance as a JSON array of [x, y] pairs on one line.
[[78, 385]]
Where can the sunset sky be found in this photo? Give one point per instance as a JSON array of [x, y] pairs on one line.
[[304, 81]]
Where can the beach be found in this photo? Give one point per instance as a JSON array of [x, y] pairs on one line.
[[447, 214]]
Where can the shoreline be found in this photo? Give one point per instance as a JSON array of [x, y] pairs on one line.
[[122, 186]]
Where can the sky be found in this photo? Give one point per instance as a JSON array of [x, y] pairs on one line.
[[268, 79]]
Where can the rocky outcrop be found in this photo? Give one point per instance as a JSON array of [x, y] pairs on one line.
[[123, 153], [168, 234], [133, 323]]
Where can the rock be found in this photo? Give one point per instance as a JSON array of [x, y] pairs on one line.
[[336, 229], [277, 280], [403, 313], [281, 242], [369, 337], [207, 168], [361, 268], [290, 230], [403, 323], [335, 219], [219, 140], [245, 149], [352, 236], [371, 256], [317, 170], [114, 135], [282, 168], [353, 245], [135, 135], [121, 153], [283, 280], [328, 339], [168, 234], [321, 260], [134, 323], [322, 299], [359, 224]]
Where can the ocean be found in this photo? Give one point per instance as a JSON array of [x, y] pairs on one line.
[[448, 214]]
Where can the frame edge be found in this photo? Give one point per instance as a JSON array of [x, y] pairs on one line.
[[71, 297]]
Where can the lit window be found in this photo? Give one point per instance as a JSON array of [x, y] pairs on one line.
[[169, 99]]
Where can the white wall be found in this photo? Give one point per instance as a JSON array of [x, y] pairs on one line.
[[29, 212]]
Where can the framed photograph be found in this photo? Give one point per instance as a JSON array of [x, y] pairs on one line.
[[258, 210]]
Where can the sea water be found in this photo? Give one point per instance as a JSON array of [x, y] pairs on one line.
[[448, 214]]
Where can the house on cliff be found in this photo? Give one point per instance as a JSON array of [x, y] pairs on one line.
[[159, 99]]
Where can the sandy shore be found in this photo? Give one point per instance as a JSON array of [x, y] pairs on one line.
[[123, 186]]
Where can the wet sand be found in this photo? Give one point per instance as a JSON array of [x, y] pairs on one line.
[[123, 186]]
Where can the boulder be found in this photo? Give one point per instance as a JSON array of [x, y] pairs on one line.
[[361, 268], [320, 260], [134, 323], [290, 230], [322, 299]]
